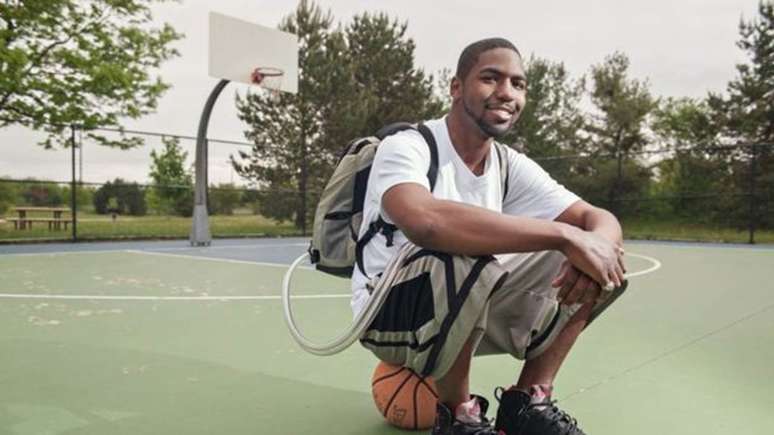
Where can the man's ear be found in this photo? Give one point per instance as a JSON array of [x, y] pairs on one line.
[[455, 88]]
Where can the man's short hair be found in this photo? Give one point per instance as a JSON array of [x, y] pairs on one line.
[[470, 54]]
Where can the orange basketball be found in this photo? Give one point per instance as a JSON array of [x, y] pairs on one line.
[[404, 398]]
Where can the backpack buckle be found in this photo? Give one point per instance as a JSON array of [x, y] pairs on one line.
[[314, 254]]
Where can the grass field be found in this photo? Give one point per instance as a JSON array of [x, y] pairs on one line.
[[244, 224], [101, 227], [680, 231]]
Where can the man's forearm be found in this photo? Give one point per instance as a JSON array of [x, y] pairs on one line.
[[459, 228], [604, 223], [463, 229]]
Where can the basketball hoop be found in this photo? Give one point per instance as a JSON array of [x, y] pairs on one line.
[[269, 78]]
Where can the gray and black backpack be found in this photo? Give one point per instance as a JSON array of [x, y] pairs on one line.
[[335, 247]]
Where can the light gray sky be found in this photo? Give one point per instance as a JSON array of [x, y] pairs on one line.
[[683, 47]]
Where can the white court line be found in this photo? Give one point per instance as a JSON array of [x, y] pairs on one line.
[[656, 265], [184, 248], [165, 298], [179, 248], [55, 253], [221, 260], [764, 247]]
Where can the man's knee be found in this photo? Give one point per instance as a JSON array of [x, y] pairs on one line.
[[605, 300], [533, 271]]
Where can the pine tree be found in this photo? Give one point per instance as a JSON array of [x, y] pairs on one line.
[[746, 114], [749, 105], [617, 132], [623, 105], [290, 152], [390, 87], [352, 81]]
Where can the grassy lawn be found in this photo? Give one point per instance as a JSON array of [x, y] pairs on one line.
[[244, 224], [96, 227], [681, 231]]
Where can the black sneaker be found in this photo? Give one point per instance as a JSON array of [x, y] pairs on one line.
[[447, 424], [517, 416]]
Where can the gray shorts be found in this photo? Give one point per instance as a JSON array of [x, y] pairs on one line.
[[437, 301]]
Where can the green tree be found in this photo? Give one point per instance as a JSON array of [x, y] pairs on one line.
[[224, 198], [442, 88], [617, 129], [623, 105], [120, 197], [84, 195], [630, 179], [694, 187], [696, 178], [173, 183], [66, 62], [389, 86], [9, 196], [351, 82], [686, 123], [41, 194], [747, 116], [289, 155], [749, 105], [551, 120]]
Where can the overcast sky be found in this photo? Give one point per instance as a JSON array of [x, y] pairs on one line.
[[682, 47]]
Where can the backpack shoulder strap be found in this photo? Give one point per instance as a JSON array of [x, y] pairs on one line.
[[502, 156], [432, 172], [393, 128], [380, 226]]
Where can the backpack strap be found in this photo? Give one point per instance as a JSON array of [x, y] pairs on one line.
[[389, 130], [502, 157], [432, 172], [380, 225]]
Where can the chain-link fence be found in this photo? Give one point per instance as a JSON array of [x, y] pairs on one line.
[[709, 193], [95, 192]]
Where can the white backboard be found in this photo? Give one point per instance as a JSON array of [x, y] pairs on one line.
[[237, 47]]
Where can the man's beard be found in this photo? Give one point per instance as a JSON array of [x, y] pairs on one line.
[[489, 130]]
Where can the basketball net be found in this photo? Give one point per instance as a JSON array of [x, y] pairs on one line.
[[270, 80]]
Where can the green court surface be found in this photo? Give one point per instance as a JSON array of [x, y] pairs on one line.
[[192, 341]]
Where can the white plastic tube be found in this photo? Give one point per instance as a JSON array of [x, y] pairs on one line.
[[361, 322]]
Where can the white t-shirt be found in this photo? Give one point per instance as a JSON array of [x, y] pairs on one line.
[[405, 158]]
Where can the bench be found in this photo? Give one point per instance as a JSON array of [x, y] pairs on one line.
[[55, 220], [53, 223]]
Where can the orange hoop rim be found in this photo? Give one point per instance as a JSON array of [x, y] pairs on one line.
[[260, 73]]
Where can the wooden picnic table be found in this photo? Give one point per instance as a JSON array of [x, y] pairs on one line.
[[24, 221]]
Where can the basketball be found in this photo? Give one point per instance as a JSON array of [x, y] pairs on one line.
[[404, 398]]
